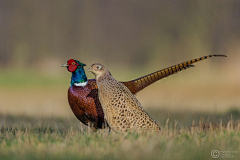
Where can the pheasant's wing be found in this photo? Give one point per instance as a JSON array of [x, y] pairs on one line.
[[138, 84], [119, 104], [129, 110]]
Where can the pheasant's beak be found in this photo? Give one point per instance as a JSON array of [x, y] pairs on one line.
[[64, 65], [90, 69]]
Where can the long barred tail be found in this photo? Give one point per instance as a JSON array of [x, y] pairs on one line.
[[138, 84]]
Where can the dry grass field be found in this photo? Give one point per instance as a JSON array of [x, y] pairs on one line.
[[52, 138]]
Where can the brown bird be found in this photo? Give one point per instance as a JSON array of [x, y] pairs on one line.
[[122, 110], [83, 92]]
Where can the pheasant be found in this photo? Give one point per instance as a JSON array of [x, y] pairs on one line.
[[122, 110], [83, 92]]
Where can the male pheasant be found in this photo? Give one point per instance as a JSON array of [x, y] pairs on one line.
[[122, 110], [83, 92]]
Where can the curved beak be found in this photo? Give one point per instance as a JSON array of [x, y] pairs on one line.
[[90, 69], [64, 65]]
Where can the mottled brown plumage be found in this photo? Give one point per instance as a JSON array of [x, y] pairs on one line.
[[121, 108]]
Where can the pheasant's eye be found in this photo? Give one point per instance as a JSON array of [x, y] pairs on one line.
[[99, 67], [73, 63]]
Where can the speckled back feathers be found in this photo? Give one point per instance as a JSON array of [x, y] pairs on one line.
[[122, 110]]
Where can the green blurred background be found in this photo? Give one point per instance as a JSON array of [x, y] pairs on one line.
[[132, 39]]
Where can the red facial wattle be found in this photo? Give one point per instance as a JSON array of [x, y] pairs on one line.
[[72, 65], [72, 68]]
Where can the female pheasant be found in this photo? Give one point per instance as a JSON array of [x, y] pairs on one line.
[[122, 110], [83, 92]]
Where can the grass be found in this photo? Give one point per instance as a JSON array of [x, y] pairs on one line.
[[24, 137]]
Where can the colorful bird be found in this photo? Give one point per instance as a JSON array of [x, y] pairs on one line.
[[83, 92], [122, 110]]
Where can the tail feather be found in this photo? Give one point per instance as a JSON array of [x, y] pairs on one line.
[[138, 84]]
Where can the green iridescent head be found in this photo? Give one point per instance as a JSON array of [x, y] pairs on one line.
[[72, 65], [79, 77]]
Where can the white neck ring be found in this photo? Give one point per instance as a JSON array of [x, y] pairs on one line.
[[81, 84]]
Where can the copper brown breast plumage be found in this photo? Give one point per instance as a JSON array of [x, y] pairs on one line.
[[83, 99], [85, 104], [122, 110]]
